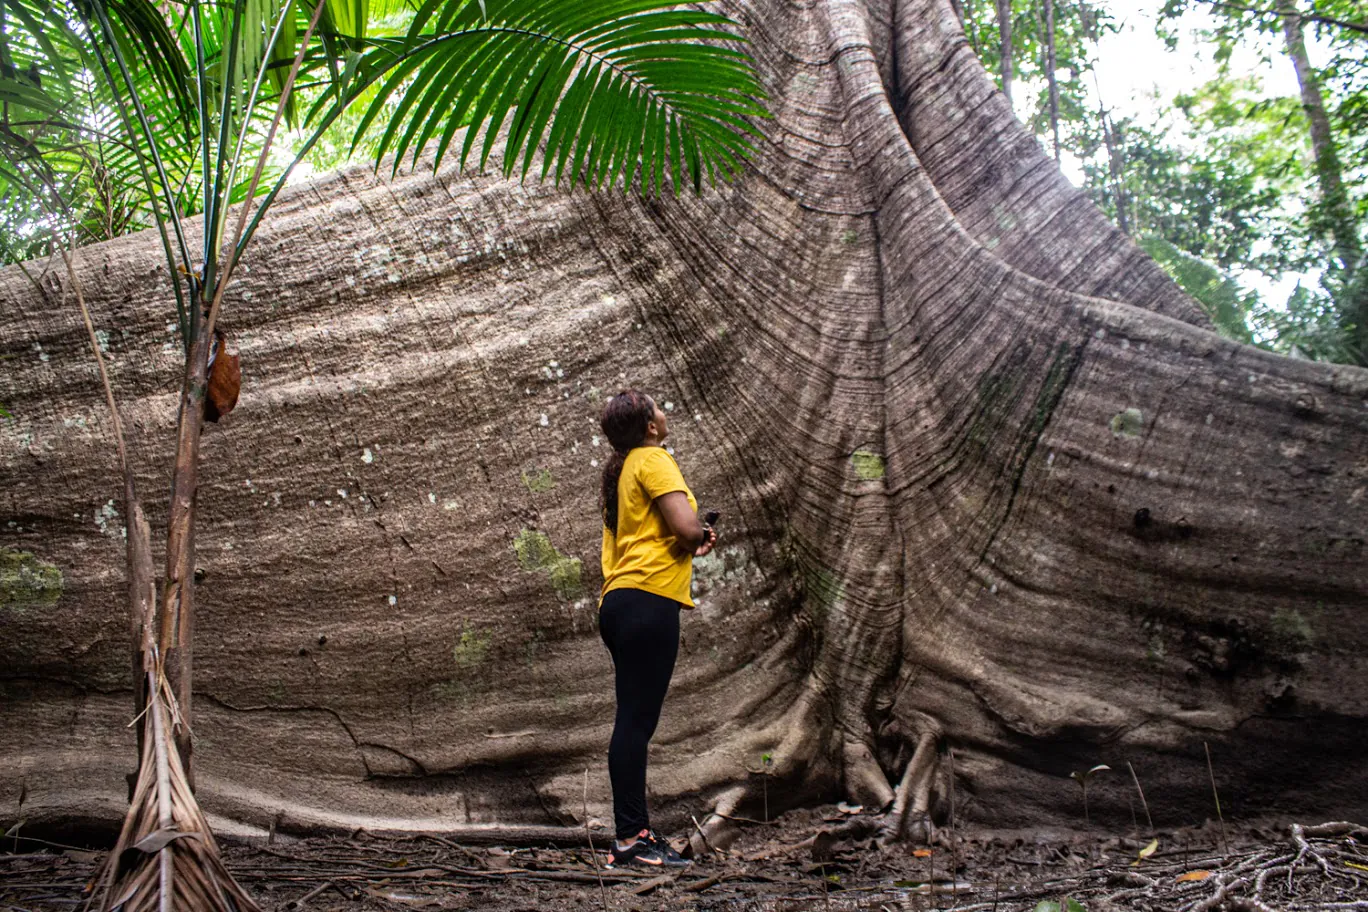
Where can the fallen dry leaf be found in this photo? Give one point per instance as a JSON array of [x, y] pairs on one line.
[[1146, 852], [1193, 875], [922, 853]]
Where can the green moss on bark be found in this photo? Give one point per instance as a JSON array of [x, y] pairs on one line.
[[536, 554], [27, 582]]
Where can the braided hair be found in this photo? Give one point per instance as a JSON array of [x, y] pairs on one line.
[[624, 423]]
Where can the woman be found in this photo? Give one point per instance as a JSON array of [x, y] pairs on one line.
[[651, 535]]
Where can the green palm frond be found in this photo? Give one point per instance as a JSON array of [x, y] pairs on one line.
[[346, 18], [612, 91], [147, 41], [169, 104]]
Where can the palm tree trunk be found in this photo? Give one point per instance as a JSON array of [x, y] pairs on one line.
[[1338, 212], [176, 632]]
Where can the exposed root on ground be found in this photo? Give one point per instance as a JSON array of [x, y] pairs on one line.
[[1261, 880], [912, 802], [806, 753]]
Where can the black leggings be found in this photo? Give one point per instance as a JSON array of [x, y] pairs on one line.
[[641, 631]]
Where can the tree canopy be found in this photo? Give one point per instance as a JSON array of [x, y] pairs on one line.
[[1223, 172]]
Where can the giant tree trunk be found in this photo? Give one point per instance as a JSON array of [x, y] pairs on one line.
[[988, 481]]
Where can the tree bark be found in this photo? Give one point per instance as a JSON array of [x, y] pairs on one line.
[[1343, 226], [988, 481], [1004, 17]]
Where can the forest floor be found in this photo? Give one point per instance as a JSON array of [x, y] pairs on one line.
[[776, 867]]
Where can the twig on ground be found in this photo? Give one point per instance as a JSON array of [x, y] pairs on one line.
[[954, 849], [299, 903], [703, 836], [455, 847], [654, 883], [1143, 802], [771, 851], [752, 820], [1225, 846], [593, 855], [698, 886]]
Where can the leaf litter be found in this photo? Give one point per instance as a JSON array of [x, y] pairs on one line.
[[1291, 869]]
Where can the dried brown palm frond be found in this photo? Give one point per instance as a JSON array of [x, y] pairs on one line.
[[166, 857]]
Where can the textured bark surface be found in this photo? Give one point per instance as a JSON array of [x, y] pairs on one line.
[[988, 484]]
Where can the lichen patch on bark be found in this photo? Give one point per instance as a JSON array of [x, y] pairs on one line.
[[28, 582]]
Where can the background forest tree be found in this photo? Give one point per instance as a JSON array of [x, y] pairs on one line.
[[1223, 179]]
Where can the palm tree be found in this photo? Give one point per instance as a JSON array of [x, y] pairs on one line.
[[150, 111]]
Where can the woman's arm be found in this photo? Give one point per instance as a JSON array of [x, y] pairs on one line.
[[684, 524]]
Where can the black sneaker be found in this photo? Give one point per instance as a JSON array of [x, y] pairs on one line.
[[649, 851], [672, 858]]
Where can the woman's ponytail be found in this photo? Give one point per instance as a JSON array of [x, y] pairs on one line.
[[624, 423]]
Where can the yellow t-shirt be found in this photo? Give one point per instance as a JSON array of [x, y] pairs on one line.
[[641, 555]]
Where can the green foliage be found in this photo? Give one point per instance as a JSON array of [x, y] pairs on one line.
[[1311, 325], [599, 67], [1067, 904], [1078, 26], [1222, 180], [1227, 304], [1219, 189], [119, 115], [1330, 222], [70, 167]]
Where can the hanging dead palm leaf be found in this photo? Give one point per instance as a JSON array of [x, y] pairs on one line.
[[166, 857]]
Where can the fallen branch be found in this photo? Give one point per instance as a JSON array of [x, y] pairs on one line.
[[299, 903], [698, 886], [652, 884]]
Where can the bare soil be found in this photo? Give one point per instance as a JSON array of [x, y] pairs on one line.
[[775, 866]]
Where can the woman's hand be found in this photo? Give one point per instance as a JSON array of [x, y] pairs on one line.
[[709, 543]]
